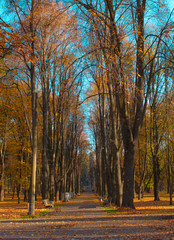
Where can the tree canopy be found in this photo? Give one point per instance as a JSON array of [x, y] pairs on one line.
[[108, 61]]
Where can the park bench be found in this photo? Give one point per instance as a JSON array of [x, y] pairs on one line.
[[48, 203], [107, 201]]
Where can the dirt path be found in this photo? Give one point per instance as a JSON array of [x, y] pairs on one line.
[[83, 218]]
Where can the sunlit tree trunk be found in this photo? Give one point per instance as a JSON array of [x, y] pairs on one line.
[[34, 120]]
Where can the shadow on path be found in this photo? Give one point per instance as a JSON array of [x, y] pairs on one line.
[[83, 218]]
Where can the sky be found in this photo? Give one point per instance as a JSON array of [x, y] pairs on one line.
[[2, 3], [171, 4]]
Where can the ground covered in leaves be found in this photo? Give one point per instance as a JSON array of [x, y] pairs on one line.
[[84, 218], [146, 206], [10, 209]]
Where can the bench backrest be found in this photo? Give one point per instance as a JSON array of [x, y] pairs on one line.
[[46, 201]]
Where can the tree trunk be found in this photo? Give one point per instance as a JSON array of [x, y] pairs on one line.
[[2, 176], [31, 210], [156, 172], [2, 157], [154, 144], [78, 180], [52, 183], [2, 187], [45, 145], [18, 193], [25, 195], [116, 146], [106, 167], [64, 177], [128, 187], [34, 155], [13, 192], [20, 177], [73, 178], [170, 176], [170, 187], [98, 163]]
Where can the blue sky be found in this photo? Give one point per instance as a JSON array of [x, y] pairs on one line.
[[171, 3], [2, 3]]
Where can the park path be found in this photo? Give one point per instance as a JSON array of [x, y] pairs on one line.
[[84, 218]]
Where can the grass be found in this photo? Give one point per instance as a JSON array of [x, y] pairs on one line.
[[37, 215], [116, 211]]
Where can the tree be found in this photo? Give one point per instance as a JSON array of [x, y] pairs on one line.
[[130, 89]]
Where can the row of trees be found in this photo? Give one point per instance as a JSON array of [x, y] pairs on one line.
[[41, 123], [132, 90], [125, 48]]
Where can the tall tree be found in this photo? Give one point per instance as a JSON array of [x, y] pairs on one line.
[[131, 90]]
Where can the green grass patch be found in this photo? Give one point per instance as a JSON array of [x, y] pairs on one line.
[[44, 212], [116, 211], [58, 205], [36, 215], [27, 217]]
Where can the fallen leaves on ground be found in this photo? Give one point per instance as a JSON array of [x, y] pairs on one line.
[[83, 217], [10, 209], [145, 206]]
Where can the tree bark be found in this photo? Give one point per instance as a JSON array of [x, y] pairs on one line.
[[129, 164], [31, 210], [2, 156], [45, 171]]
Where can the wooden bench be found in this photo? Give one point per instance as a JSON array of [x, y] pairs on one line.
[[48, 203], [107, 201]]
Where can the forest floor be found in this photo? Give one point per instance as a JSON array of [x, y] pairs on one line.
[[84, 218]]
